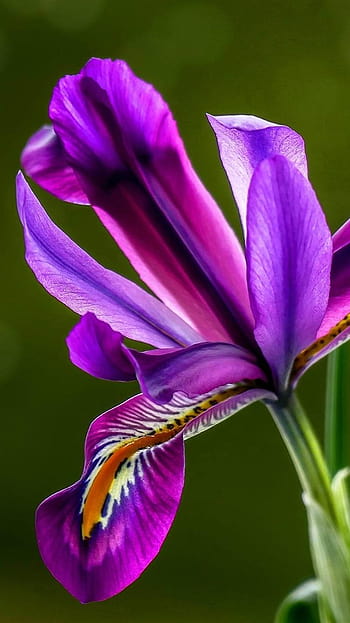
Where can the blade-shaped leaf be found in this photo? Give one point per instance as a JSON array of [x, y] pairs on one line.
[[301, 605], [337, 400], [331, 559]]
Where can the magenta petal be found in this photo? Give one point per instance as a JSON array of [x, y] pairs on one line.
[[97, 536], [98, 350], [43, 158], [194, 370], [244, 141], [337, 341], [164, 263], [341, 237], [339, 297], [123, 144], [133, 517], [74, 278], [289, 251], [220, 412]]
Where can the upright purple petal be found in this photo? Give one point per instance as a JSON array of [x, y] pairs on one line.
[[98, 350], [194, 370], [97, 536], [244, 141], [289, 252], [74, 278], [121, 141], [44, 159]]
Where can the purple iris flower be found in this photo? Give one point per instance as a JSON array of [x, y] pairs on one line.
[[229, 326]]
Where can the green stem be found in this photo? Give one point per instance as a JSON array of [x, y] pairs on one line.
[[304, 450], [336, 410]]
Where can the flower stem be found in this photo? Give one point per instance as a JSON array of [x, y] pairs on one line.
[[336, 410], [304, 450]]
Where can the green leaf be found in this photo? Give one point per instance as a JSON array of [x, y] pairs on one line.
[[301, 605], [341, 491], [337, 409], [331, 558]]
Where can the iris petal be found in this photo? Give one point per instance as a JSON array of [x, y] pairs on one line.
[[98, 350], [322, 346], [244, 141], [339, 297], [289, 251], [120, 139], [341, 238], [97, 536], [44, 158], [74, 278], [194, 370]]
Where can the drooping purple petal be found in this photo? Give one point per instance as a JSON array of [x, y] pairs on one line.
[[44, 159], [74, 278], [194, 370], [122, 143], [97, 536], [98, 350], [289, 252], [244, 141]]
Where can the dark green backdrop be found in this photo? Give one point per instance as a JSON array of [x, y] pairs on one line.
[[239, 541]]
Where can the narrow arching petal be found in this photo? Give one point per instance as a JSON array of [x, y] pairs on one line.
[[321, 347], [341, 238], [244, 141], [44, 160], [74, 278], [194, 370], [121, 141], [97, 536], [98, 350], [289, 251], [339, 297]]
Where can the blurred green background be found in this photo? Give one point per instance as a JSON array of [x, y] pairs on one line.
[[239, 541]]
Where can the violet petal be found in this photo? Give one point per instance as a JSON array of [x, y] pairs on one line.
[[244, 141], [98, 350], [43, 158], [98, 536], [194, 370], [74, 278], [96, 546], [123, 144], [339, 296], [289, 251], [341, 237]]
